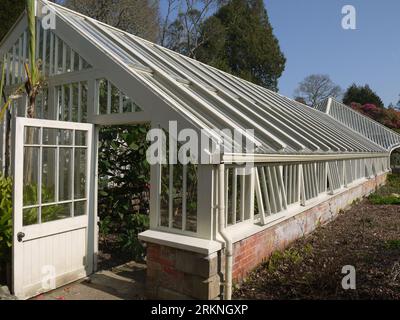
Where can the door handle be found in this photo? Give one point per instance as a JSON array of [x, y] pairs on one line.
[[20, 236]]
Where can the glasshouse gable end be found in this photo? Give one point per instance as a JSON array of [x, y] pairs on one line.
[[211, 222]]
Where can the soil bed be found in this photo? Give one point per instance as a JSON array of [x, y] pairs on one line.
[[367, 237]]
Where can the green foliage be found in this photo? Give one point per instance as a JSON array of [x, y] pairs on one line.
[[388, 199], [239, 39], [124, 175], [128, 239], [290, 256], [362, 95], [5, 218], [388, 194], [393, 244]]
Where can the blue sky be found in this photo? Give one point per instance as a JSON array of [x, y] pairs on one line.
[[311, 36], [313, 40]]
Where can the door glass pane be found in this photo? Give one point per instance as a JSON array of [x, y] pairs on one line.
[[56, 212], [30, 216], [50, 136], [31, 176], [65, 137], [80, 173], [32, 135], [80, 138], [80, 208], [65, 174], [49, 175]]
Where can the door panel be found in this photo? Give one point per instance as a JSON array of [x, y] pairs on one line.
[[53, 215]]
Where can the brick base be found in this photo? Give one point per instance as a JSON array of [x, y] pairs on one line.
[[178, 274]]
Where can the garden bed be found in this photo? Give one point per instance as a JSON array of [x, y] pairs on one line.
[[367, 237]]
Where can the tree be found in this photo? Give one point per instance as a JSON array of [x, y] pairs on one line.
[[317, 87], [182, 23], [10, 10], [139, 17], [363, 95], [239, 39]]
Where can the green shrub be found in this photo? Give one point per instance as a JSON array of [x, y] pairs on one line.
[[128, 239], [5, 219]]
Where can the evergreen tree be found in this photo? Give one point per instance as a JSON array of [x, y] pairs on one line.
[[362, 95], [10, 10], [242, 43]]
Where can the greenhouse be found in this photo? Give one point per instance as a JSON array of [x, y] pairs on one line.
[[299, 166]]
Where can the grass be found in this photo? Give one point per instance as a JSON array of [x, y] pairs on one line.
[[388, 194]]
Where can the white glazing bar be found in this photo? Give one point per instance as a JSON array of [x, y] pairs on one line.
[[226, 196], [274, 206], [62, 104], [302, 192], [64, 57], [44, 53], [109, 96], [242, 196], [259, 197], [70, 102], [51, 62], [73, 174], [24, 55], [56, 53], [234, 195], [121, 101], [279, 172], [79, 102], [72, 61], [265, 191], [276, 188], [171, 196], [184, 197]]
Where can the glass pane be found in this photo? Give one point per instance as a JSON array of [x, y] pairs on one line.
[[80, 208], [84, 101], [80, 138], [49, 175], [68, 59], [65, 138], [114, 99], [191, 198], [80, 174], [56, 212], [76, 62], [75, 97], [59, 68], [127, 104], [102, 97], [30, 216], [50, 136], [32, 135], [65, 174], [65, 115], [164, 197], [31, 176], [177, 193]]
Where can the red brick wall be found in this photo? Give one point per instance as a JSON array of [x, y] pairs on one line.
[[250, 252]]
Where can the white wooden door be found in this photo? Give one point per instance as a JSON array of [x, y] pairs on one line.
[[54, 223]]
